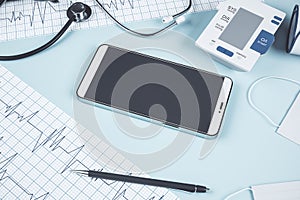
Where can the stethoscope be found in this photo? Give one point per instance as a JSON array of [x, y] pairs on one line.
[[79, 12]]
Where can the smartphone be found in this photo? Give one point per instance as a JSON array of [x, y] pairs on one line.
[[158, 90]]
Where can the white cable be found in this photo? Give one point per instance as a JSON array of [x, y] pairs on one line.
[[167, 19], [237, 192], [257, 108], [180, 20]]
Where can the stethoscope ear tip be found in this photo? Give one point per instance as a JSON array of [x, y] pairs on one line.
[[79, 11]]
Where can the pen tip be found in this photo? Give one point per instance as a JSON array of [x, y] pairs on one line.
[[201, 189], [79, 172]]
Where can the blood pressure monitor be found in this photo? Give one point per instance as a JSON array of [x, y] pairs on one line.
[[241, 32]]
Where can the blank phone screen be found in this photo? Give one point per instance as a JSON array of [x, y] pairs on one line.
[[172, 93]]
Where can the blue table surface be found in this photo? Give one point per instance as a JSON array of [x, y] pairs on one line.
[[249, 151]]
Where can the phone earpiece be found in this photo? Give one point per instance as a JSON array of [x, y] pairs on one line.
[[80, 10]]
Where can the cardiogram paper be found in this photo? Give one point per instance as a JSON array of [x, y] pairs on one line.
[[40, 145]]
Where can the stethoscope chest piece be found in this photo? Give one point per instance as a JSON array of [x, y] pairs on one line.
[[79, 11]]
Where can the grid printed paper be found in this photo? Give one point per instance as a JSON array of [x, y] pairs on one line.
[[27, 18], [40, 145]]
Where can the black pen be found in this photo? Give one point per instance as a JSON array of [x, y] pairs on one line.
[[144, 181]]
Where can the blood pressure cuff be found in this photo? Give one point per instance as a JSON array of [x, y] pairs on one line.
[[293, 43]]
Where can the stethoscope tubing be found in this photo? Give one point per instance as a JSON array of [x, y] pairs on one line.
[[170, 25], [74, 17], [41, 48], [77, 12]]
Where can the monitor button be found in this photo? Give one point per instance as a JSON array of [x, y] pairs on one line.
[[275, 22], [221, 49], [229, 53], [263, 42], [278, 18], [225, 51]]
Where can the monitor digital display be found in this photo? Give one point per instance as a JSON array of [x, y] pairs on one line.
[[241, 28]]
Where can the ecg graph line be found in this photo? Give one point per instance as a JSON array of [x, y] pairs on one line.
[[3, 177], [56, 136], [115, 4], [37, 7], [41, 8], [53, 142], [28, 18]]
